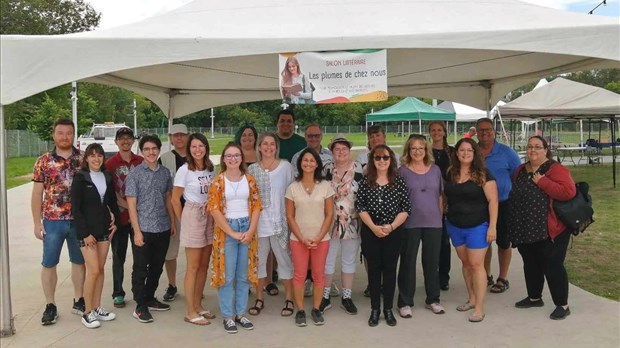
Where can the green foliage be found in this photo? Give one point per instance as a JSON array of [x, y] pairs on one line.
[[43, 119], [45, 17], [613, 86]]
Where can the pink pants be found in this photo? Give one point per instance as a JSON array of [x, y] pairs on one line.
[[302, 255]]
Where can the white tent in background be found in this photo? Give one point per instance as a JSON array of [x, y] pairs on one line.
[[464, 113]]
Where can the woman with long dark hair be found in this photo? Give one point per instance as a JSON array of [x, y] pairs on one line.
[[310, 213], [541, 238], [94, 207], [472, 217], [192, 181], [383, 205], [246, 137], [235, 204]]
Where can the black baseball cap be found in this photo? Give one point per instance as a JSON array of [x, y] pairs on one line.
[[124, 131]]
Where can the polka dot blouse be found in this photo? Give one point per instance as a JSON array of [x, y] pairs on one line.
[[383, 203]]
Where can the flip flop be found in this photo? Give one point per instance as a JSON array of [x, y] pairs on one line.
[[207, 314], [465, 307], [200, 321], [476, 318]]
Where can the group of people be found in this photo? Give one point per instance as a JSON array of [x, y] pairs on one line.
[[283, 202]]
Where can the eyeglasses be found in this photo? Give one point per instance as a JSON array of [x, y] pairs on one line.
[[379, 158], [315, 136], [233, 156], [484, 130], [417, 149], [537, 148]]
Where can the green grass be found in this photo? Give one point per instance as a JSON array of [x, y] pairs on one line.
[[593, 258], [19, 170]]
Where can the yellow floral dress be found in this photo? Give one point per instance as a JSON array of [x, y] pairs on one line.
[[217, 201]]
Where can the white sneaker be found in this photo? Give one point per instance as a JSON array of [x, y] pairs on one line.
[[436, 308], [308, 289], [104, 315], [334, 291], [90, 320]]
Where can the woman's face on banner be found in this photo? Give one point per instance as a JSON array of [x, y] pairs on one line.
[[292, 68]]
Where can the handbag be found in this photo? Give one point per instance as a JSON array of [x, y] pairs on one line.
[[576, 213]]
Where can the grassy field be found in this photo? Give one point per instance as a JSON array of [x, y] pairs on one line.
[[593, 260]]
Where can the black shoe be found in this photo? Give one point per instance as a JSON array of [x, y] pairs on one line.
[[171, 293], [78, 306], [374, 317], [349, 306], [390, 319], [244, 322], [528, 303], [444, 286], [560, 313], [143, 315], [300, 318], [50, 315], [317, 317], [230, 326], [158, 306], [490, 281], [325, 305], [367, 291]]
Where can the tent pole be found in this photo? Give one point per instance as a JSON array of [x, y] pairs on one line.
[[74, 99], [8, 327], [613, 149], [171, 95], [420, 125], [581, 133], [455, 132]]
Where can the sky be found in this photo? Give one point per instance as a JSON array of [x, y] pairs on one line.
[[119, 12]]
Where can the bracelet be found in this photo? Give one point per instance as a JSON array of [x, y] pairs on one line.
[[392, 227]]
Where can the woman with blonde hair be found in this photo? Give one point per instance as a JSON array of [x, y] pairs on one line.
[[296, 87], [425, 188], [472, 218], [235, 204]]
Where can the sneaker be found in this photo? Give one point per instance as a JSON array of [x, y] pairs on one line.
[[349, 306], [229, 326], [244, 322], [104, 315], [50, 315], [405, 312], [334, 291], [119, 301], [158, 306], [560, 313], [171, 293], [325, 305], [90, 320], [528, 303], [308, 290], [143, 315], [436, 308], [317, 317], [79, 307], [300, 318], [367, 291]]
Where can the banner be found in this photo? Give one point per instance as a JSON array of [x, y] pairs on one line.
[[333, 77]]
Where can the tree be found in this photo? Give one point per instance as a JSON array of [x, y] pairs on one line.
[[47, 17], [43, 119]]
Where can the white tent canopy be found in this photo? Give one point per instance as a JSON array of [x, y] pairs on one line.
[[563, 98], [463, 112], [210, 53]]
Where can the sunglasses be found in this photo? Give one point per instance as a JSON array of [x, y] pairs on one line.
[[379, 158]]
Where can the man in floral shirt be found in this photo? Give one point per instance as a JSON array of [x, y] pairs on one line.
[[53, 222]]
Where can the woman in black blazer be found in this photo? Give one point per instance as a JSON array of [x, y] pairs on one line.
[[94, 207]]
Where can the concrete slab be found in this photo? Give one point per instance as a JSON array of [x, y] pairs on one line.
[[594, 321]]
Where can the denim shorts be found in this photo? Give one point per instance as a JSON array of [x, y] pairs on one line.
[[104, 238], [473, 237], [56, 232]]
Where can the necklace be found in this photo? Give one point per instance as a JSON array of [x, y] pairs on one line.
[[267, 168], [308, 189], [235, 187]]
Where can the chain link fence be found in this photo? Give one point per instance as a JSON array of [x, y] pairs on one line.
[[24, 143]]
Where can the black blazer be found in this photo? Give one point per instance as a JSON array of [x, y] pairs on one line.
[[91, 217]]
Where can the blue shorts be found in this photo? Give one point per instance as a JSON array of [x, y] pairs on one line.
[[472, 237], [56, 232]]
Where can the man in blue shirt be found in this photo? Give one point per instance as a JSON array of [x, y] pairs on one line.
[[502, 161]]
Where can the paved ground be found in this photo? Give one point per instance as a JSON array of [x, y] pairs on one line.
[[594, 321]]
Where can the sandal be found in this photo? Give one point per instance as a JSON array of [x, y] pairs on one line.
[[207, 314], [500, 286], [476, 318], [259, 305], [465, 307], [199, 320], [287, 311], [272, 289]]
